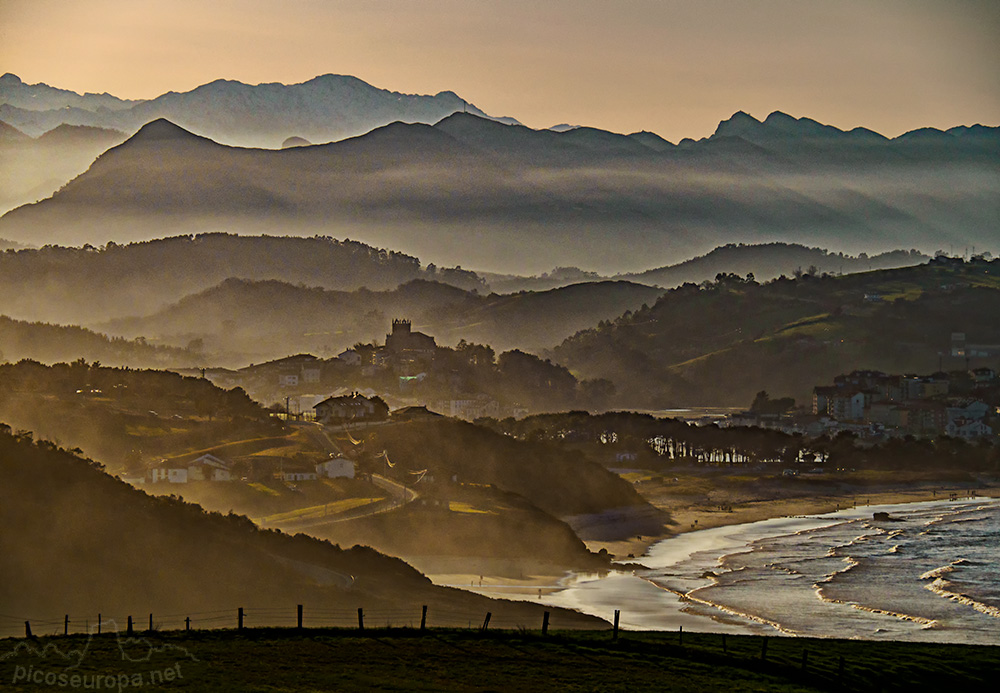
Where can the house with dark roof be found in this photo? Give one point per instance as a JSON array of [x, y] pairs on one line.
[[351, 408]]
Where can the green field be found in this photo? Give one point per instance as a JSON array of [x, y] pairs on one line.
[[461, 660]]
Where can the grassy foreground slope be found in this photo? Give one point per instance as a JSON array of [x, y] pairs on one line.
[[720, 343], [441, 660]]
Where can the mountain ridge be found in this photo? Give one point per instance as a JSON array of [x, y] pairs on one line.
[[326, 108], [557, 197]]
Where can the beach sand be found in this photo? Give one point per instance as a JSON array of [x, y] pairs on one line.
[[629, 532], [686, 516]]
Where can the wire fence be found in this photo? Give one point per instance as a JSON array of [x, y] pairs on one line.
[[294, 616]]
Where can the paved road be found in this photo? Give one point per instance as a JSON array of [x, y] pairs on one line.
[[398, 494]]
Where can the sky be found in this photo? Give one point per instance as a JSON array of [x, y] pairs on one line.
[[675, 67]]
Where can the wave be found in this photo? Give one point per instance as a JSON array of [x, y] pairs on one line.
[[903, 616], [945, 569], [756, 618], [943, 588]]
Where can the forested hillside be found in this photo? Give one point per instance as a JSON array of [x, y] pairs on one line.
[[242, 321], [20, 339], [720, 343], [79, 541], [82, 285]]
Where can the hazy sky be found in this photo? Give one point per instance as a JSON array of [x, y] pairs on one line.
[[675, 67]]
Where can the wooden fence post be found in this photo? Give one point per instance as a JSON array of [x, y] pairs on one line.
[[680, 635], [239, 619], [486, 622], [66, 625], [187, 623], [151, 623], [617, 615], [361, 619], [298, 618], [763, 649], [129, 631], [545, 623], [27, 629], [98, 624], [423, 618]]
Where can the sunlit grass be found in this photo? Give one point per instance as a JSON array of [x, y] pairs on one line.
[[462, 507], [263, 489], [637, 477], [319, 511]]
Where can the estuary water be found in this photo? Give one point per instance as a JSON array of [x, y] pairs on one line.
[[930, 573]]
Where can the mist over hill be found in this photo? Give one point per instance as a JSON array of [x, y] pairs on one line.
[[41, 97], [64, 343], [767, 261], [241, 321], [35, 167], [475, 192], [126, 552], [323, 109], [764, 260], [87, 285], [720, 343]]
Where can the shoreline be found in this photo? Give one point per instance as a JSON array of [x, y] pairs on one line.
[[497, 578], [686, 518], [656, 590]]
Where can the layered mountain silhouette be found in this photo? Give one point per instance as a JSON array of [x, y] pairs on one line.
[[253, 321], [15, 94], [479, 192], [770, 260], [35, 167], [323, 109]]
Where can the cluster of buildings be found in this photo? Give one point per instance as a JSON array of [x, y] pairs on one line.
[[208, 467], [408, 369], [960, 404]]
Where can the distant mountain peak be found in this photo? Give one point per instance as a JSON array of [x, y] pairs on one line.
[[10, 78], [737, 125], [779, 117], [162, 129]]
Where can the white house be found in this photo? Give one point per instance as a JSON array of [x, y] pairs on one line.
[[205, 468], [336, 467], [208, 467], [172, 472]]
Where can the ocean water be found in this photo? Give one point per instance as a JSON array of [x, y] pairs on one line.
[[932, 573]]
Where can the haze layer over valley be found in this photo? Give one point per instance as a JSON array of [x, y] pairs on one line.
[[502, 197]]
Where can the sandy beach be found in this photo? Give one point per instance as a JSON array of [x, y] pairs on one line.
[[629, 532], [688, 517]]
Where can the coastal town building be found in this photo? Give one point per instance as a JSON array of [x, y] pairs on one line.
[[353, 408], [207, 467], [919, 405], [336, 468]]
